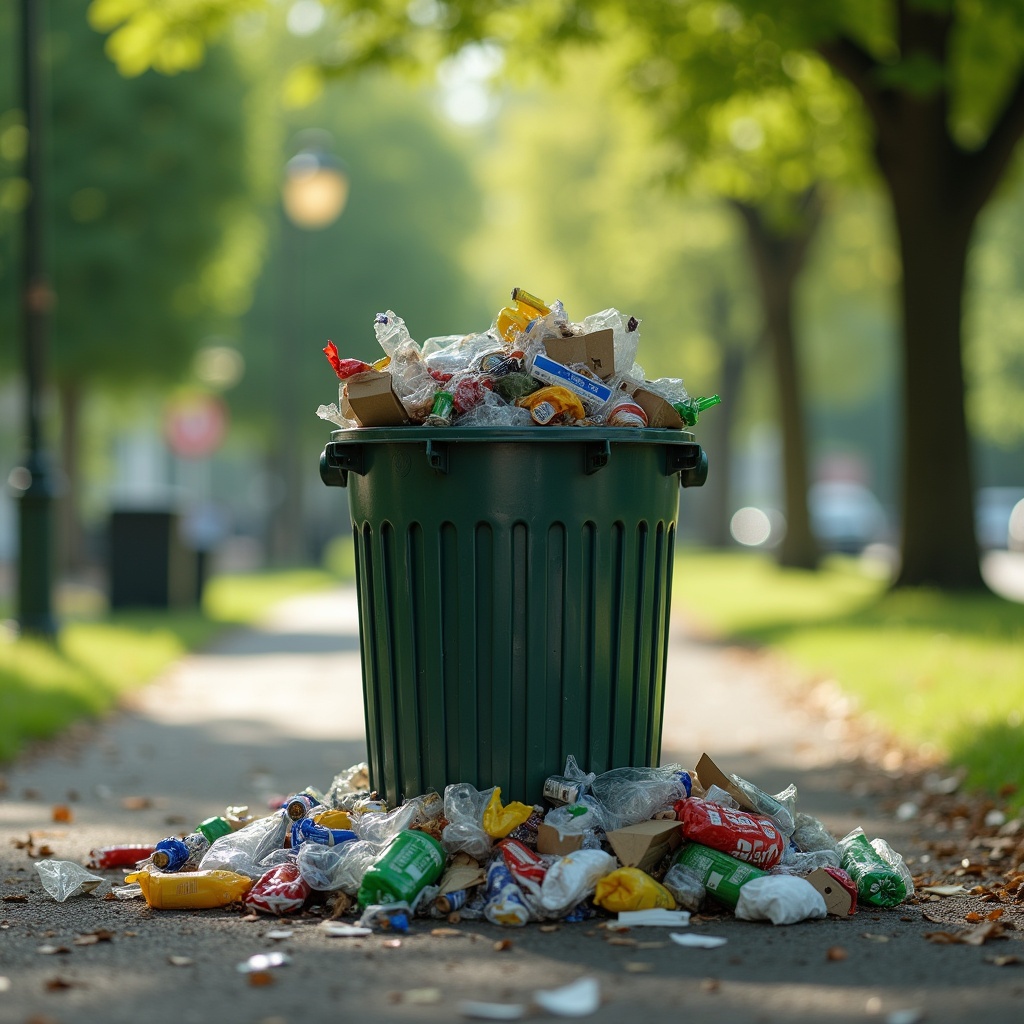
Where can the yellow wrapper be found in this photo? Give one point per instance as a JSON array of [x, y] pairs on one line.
[[632, 889], [191, 890], [499, 821], [333, 819]]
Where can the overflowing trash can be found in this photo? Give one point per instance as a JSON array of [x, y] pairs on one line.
[[514, 592]]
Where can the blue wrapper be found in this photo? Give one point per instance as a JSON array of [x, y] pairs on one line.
[[504, 899], [306, 830]]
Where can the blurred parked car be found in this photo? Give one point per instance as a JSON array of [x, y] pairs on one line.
[[993, 509], [845, 516]]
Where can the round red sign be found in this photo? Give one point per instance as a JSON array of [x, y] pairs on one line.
[[195, 425]]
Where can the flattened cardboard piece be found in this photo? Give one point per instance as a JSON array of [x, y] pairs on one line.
[[462, 876], [711, 775], [373, 401], [550, 842], [838, 901], [596, 350], [659, 412], [643, 846]]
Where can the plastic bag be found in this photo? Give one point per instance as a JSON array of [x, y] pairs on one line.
[[628, 796], [781, 899], [574, 877], [631, 889], [810, 834], [498, 821], [464, 807], [503, 899], [248, 850], [64, 878], [348, 786], [281, 890], [686, 884], [382, 828], [337, 868]]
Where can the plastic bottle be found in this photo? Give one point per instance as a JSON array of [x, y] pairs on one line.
[[409, 863], [300, 804], [215, 827], [174, 854], [691, 408], [515, 319], [194, 890], [721, 875], [882, 878]]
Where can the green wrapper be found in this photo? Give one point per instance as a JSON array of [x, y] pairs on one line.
[[881, 876], [722, 875]]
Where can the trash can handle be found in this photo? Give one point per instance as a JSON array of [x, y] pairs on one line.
[[690, 461], [338, 460], [437, 455]]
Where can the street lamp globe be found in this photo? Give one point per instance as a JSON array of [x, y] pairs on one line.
[[315, 189]]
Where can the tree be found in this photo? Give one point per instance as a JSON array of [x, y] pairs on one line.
[[153, 240], [940, 86]]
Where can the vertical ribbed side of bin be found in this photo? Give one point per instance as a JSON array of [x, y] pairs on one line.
[[493, 647]]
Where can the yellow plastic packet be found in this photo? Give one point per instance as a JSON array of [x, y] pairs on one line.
[[632, 889], [191, 890], [551, 402], [498, 820], [333, 819]]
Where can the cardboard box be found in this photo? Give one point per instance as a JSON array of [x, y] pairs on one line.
[[711, 775], [659, 412], [594, 393], [372, 400], [596, 350], [550, 842], [643, 846], [838, 901]]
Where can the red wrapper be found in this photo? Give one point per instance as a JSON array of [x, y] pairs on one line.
[[525, 866], [280, 891], [344, 368], [749, 837], [126, 856]]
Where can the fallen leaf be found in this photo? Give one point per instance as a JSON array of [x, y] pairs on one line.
[[651, 945], [549, 927], [63, 814], [446, 933], [1003, 961], [980, 935], [91, 938], [619, 940], [994, 915], [710, 985], [502, 944], [973, 917], [871, 937], [944, 890], [58, 984], [136, 803], [16, 897], [52, 950], [836, 953], [180, 961], [638, 967], [259, 979]]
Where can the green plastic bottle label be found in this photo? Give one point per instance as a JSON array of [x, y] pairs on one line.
[[722, 875]]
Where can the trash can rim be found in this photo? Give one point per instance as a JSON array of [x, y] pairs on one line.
[[517, 435]]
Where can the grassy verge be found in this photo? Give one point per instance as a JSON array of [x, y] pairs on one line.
[[939, 671], [44, 687]]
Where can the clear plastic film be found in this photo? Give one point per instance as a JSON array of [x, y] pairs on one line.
[[628, 796], [464, 807], [686, 885], [780, 808], [337, 868], [382, 828], [349, 786], [64, 878], [250, 850], [811, 835], [625, 333]]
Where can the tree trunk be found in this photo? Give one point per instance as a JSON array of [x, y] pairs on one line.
[[938, 543], [70, 534], [716, 431], [778, 258]]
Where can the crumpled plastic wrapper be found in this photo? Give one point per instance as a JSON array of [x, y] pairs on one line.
[[64, 878]]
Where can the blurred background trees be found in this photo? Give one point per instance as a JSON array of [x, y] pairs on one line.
[[748, 179]]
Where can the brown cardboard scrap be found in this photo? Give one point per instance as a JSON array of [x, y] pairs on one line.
[[596, 350], [643, 846], [838, 901], [659, 412], [373, 401], [550, 842], [711, 775]]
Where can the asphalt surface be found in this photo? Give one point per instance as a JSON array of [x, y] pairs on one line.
[[273, 709]]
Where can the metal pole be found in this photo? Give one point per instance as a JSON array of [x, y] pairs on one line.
[[35, 521]]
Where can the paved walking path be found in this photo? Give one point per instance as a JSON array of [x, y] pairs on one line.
[[272, 709]]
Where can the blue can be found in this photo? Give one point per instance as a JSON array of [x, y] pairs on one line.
[[306, 830]]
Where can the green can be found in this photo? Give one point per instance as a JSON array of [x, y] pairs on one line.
[[409, 863], [723, 876]]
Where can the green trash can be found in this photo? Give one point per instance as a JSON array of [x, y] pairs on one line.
[[514, 589]]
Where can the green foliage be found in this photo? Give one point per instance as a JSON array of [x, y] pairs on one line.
[[152, 240], [938, 671]]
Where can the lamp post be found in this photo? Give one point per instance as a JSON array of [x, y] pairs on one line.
[[313, 196], [34, 479]]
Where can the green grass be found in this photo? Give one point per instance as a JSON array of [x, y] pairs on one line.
[[939, 671], [98, 657]]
